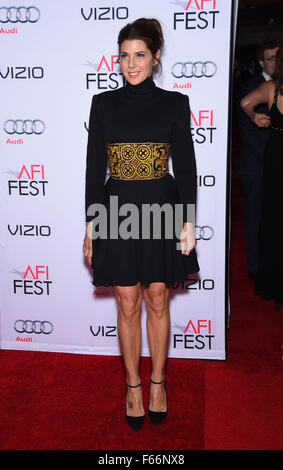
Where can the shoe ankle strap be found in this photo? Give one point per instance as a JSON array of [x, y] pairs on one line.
[[133, 386], [152, 381]]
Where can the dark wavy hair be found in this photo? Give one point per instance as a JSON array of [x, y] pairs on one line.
[[278, 75], [145, 29]]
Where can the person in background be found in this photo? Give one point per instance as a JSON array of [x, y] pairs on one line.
[[250, 71], [250, 161], [270, 270]]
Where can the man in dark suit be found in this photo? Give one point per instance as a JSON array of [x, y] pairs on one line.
[[251, 158]]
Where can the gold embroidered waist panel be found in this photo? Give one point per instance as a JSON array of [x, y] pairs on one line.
[[138, 160]]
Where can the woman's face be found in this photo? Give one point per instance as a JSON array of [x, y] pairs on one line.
[[136, 61]]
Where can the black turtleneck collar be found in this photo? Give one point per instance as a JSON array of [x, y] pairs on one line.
[[143, 88]]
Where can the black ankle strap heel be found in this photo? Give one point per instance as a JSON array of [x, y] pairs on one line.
[[133, 386], [156, 417], [135, 422], [157, 383]]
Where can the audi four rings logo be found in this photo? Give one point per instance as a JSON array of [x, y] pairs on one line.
[[33, 326], [204, 233], [194, 69], [19, 14], [24, 127]]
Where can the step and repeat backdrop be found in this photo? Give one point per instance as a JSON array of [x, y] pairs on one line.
[[54, 56]]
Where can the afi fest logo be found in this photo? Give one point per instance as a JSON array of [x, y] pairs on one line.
[[39, 284], [106, 75], [197, 335], [30, 182], [198, 14], [202, 126]]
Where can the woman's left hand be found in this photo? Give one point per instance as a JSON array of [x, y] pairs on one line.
[[187, 238]]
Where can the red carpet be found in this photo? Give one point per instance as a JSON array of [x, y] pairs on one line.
[[67, 401]]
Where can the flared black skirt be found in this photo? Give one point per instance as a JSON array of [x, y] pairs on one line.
[[133, 247]]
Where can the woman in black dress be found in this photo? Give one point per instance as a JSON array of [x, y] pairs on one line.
[[270, 273], [133, 128]]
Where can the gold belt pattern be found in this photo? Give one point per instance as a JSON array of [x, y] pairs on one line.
[[138, 160]]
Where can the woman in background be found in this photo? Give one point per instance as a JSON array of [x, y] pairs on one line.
[[270, 273]]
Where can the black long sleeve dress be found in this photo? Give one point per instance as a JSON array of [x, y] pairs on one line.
[[131, 129]]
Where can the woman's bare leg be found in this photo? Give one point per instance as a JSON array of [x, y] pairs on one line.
[[158, 326], [129, 300]]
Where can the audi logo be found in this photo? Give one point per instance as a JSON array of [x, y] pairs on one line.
[[204, 233], [19, 14], [24, 127], [194, 69], [33, 326]]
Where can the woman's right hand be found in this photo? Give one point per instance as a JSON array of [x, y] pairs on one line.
[[261, 120], [87, 246]]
